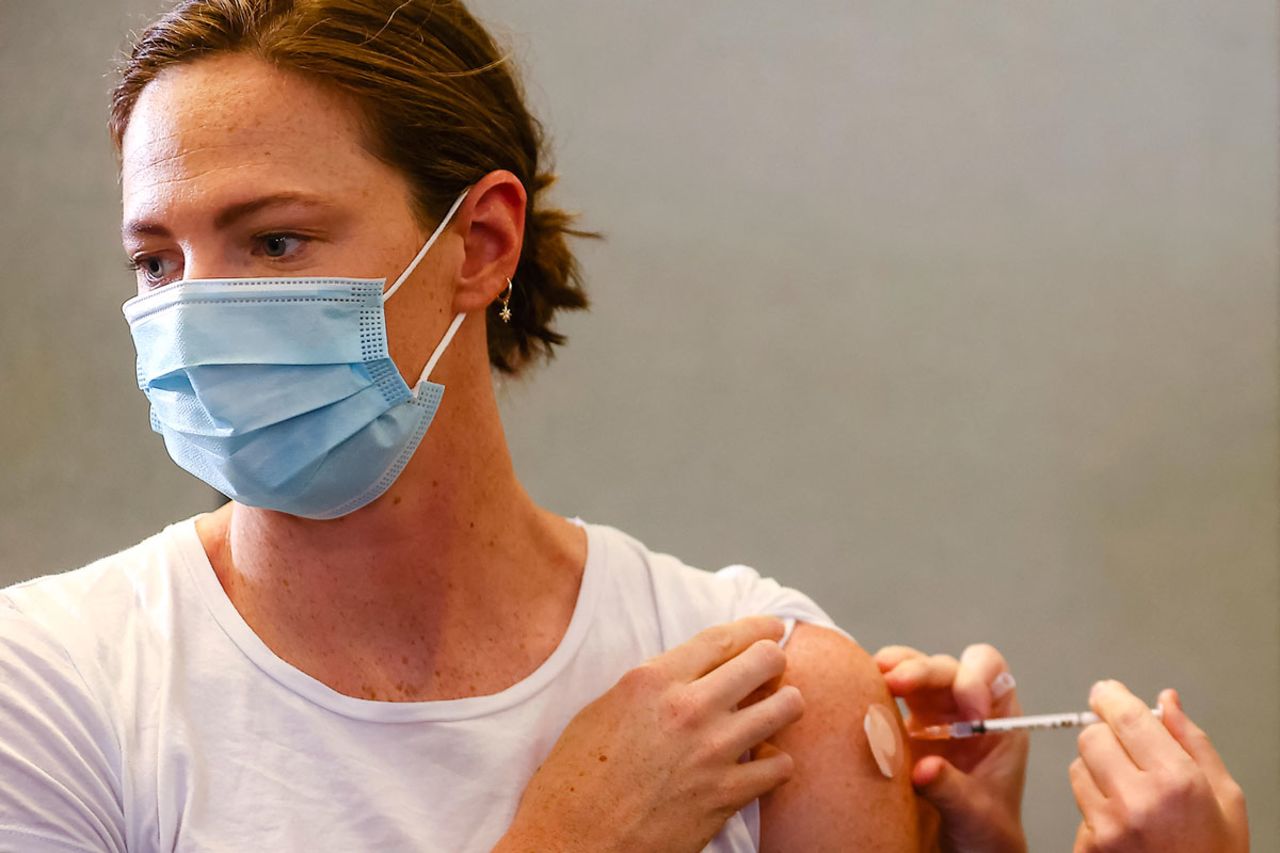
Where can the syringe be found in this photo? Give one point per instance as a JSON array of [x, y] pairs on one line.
[[973, 728]]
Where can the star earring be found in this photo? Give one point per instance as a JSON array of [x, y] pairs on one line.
[[505, 313]]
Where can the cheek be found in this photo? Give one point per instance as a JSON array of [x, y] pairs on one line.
[[382, 244], [419, 313]]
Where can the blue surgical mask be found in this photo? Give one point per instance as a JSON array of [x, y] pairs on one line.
[[280, 392]]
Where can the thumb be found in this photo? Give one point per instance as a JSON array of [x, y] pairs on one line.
[[971, 819], [957, 797]]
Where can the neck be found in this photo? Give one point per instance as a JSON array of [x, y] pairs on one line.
[[455, 546]]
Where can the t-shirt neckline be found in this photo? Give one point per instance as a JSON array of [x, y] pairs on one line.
[[191, 554]]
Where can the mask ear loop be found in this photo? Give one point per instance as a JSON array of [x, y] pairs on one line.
[[444, 343], [422, 253]]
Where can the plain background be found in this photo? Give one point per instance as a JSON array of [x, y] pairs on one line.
[[962, 318]]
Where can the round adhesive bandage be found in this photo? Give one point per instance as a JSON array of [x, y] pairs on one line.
[[885, 739]]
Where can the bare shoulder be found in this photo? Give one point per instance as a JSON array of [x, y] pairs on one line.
[[837, 799]]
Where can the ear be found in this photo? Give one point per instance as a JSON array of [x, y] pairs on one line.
[[491, 224]]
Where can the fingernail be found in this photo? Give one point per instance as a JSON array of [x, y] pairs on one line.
[[1098, 687], [1002, 684]]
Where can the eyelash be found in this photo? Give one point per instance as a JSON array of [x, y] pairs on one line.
[[260, 239], [136, 264]]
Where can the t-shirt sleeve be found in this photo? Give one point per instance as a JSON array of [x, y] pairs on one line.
[[59, 757], [755, 594], [688, 600]]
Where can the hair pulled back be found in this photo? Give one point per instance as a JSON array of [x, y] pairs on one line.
[[438, 100]]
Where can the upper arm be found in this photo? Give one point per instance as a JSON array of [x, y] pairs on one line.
[[59, 786], [837, 799]]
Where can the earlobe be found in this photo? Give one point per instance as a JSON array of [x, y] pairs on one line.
[[492, 230]]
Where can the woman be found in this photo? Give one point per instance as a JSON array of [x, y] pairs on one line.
[[381, 638]]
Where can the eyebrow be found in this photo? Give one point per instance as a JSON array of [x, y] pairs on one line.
[[230, 214]]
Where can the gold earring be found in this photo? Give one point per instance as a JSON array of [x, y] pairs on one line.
[[505, 313]]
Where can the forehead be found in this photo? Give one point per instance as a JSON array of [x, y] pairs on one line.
[[233, 125]]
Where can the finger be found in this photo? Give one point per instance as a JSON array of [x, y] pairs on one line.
[[715, 645], [753, 779], [1084, 840], [1089, 796], [1193, 739], [1004, 696], [936, 672], [961, 800], [1107, 762], [980, 666], [1139, 732], [890, 656], [761, 721], [926, 770], [735, 679]]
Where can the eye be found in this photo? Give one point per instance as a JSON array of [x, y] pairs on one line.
[[279, 245], [152, 269]]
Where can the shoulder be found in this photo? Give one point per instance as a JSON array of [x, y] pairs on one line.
[[104, 590], [60, 752], [837, 799], [688, 599], [104, 616], [79, 652]]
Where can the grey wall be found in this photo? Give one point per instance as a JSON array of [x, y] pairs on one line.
[[81, 472], [960, 317]]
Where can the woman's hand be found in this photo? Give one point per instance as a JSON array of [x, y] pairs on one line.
[[975, 783], [1146, 786], [653, 764]]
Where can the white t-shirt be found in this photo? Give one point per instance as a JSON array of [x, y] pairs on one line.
[[139, 712]]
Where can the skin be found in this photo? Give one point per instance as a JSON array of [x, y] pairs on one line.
[[976, 784], [838, 800], [688, 771], [1144, 784], [1141, 784], [455, 583]]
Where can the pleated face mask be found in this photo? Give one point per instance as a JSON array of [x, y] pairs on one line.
[[280, 392]]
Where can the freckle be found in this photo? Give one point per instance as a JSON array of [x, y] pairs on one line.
[[472, 525], [404, 659], [395, 500], [285, 581], [471, 687], [604, 758], [435, 483], [437, 673], [572, 789]]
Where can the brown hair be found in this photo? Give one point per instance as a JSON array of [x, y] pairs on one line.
[[439, 101]]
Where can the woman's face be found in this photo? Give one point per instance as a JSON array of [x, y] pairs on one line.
[[232, 168]]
